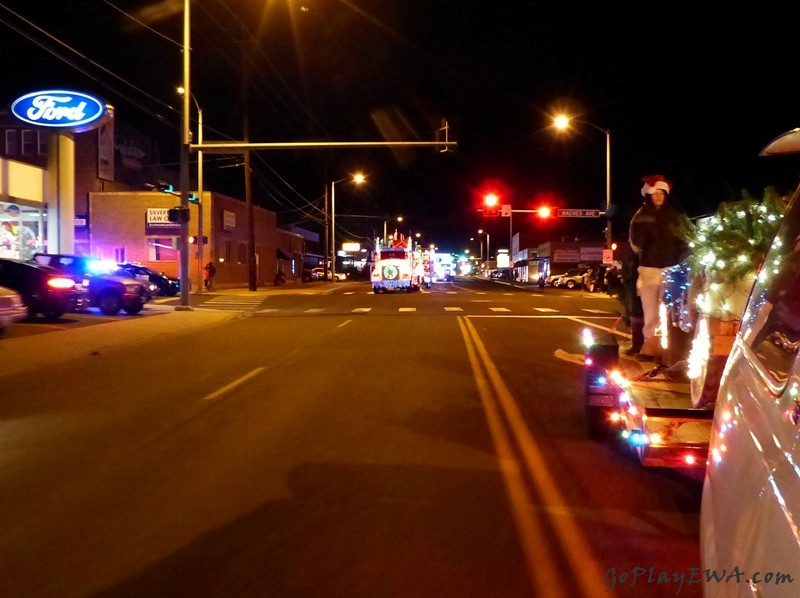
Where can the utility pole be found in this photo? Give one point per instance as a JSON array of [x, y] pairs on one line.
[[248, 193]]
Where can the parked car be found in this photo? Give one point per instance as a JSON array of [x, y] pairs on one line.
[[320, 274], [12, 309], [596, 279], [44, 290], [107, 292], [571, 279], [163, 285], [551, 279]]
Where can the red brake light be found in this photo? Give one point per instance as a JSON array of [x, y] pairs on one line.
[[61, 283]]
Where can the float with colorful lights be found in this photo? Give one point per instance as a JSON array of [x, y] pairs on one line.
[[663, 411], [397, 266]]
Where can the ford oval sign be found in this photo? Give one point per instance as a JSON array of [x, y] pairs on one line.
[[59, 108]]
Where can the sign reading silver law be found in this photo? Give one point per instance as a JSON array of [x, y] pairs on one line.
[[60, 108]]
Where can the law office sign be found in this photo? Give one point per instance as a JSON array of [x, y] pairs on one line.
[[157, 223], [61, 109]]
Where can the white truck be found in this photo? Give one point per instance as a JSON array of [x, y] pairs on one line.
[[750, 514], [397, 267]]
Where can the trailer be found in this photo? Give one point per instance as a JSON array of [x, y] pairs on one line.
[[643, 405]]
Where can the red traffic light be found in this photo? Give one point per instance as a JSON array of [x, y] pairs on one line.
[[491, 204], [544, 211]]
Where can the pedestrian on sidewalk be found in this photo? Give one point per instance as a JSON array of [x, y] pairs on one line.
[[209, 272], [654, 237]]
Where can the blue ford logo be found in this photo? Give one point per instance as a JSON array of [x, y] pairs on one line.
[[59, 108]]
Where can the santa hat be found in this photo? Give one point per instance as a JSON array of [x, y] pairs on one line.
[[654, 182]]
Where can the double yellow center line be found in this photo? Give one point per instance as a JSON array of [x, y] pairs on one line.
[[526, 474]]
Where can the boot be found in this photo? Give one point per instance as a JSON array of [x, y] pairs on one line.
[[637, 335]]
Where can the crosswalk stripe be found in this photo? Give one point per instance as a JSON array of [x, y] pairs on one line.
[[407, 309], [545, 309], [452, 292], [360, 310], [499, 309], [313, 311], [266, 311], [453, 309], [596, 311]]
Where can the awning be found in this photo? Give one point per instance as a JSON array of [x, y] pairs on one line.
[[282, 255]]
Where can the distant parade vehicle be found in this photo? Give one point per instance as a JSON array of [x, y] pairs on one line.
[[397, 266]]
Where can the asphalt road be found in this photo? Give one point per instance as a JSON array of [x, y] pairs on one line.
[[331, 443]]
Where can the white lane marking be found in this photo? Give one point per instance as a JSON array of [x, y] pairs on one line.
[[360, 310], [406, 309], [596, 311], [452, 292], [345, 323], [453, 309], [480, 300], [233, 384], [313, 310], [266, 311], [499, 309], [545, 309], [571, 357], [349, 293]]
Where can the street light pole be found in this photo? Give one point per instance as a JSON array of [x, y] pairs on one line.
[[358, 179], [183, 241], [200, 243], [333, 230], [608, 188], [562, 122], [385, 234]]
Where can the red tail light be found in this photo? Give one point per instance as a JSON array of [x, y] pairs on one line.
[[61, 283]]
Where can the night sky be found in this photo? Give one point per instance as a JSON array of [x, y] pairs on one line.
[[690, 96]]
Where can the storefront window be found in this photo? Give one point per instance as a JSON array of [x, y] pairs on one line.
[[162, 250], [22, 231]]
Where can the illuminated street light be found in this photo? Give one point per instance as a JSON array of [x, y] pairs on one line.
[[481, 232], [385, 237], [358, 179], [562, 122]]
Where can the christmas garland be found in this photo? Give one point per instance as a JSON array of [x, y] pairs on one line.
[[731, 245], [728, 248]]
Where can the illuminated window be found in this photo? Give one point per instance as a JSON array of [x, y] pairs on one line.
[[162, 250]]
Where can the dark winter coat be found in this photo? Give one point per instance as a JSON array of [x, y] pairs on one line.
[[653, 235]]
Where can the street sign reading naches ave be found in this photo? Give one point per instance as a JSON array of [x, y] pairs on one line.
[[578, 213]]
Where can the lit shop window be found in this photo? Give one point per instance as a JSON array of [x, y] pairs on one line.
[[162, 249]]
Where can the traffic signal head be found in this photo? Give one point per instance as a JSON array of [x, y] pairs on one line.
[[544, 212], [193, 240], [179, 214], [491, 204], [164, 187]]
